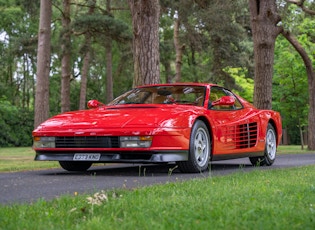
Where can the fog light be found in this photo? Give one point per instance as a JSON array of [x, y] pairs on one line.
[[136, 141]]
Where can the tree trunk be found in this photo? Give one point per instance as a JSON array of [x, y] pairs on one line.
[[178, 50], [109, 63], [145, 22], [85, 71], [301, 134], [264, 19], [168, 71], [43, 63], [66, 57], [311, 87], [311, 113], [109, 70], [86, 63]]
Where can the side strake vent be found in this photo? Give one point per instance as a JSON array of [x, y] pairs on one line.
[[240, 136], [247, 135]]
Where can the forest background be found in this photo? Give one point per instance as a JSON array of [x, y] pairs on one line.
[[214, 40]]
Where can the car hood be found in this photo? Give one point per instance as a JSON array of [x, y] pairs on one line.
[[126, 116]]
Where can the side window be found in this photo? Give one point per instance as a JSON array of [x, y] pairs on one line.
[[237, 104], [217, 92]]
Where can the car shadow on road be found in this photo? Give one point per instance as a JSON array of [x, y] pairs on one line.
[[132, 170]]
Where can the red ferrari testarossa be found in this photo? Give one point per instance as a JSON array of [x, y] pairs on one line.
[[187, 123]]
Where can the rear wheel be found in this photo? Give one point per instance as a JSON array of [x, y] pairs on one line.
[[270, 149], [75, 165], [199, 150]]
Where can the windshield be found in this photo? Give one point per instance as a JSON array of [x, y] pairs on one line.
[[179, 94]]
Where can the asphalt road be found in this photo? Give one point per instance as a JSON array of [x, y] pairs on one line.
[[29, 186]]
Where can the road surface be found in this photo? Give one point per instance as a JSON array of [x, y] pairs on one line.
[[29, 186]]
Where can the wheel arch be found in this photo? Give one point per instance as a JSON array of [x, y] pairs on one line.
[[207, 123], [274, 125]]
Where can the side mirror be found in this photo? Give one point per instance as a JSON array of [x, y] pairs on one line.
[[92, 104], [225, 100]]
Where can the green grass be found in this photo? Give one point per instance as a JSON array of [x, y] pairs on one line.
[[22, 158], [293, 149], [267, 199]]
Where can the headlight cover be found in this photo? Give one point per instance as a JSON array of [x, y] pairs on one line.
[[136, 141], [44, 142]]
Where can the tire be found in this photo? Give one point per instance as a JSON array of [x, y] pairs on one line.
[[75, 165], [270, 149], [199, 150]]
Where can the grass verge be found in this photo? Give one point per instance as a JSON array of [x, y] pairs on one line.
[[295, 149], [22, 158], [262, 199]]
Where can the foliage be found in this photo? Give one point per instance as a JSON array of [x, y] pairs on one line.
[[215, 37], [212, 37], [246, 84], [290, 83], [198, 61], [229, 202], [16, 125], [18, 29], [99, 24]]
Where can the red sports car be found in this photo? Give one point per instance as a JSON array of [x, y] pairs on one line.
[[187, 123]]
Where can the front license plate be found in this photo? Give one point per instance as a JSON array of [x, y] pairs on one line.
[[86, 157]]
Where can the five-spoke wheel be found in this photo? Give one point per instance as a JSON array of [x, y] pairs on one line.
[[270, 149], [199, 150]]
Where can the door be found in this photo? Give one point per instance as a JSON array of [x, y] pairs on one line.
[[234, 131]]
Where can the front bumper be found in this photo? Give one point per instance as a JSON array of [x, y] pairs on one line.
[[122, 157]]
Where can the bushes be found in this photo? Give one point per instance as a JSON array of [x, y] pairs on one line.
[[16, 125]]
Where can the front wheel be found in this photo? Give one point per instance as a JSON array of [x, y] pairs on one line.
[[75, 165], [270, 149], [199, 150]]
